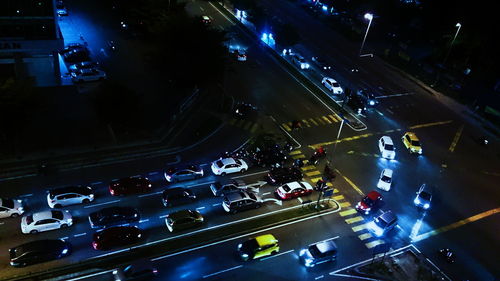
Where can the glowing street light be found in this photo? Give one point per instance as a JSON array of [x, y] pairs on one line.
[[369, 17], [458, 26]]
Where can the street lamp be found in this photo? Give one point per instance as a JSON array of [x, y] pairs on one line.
[[458, 26], [369, 17]]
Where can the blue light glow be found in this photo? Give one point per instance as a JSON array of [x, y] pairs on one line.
[[325, 8]]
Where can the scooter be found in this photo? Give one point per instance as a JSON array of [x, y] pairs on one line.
[[316, 157], [112, 46], [447, 254]]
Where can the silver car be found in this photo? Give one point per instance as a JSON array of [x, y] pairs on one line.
[[59, 197]]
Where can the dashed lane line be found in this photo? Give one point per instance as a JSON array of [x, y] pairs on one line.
[[347, 212], [222, 271], [455, 139], [100, 204], [277, 255], [80, 234], [374, 243], [365, 236], [354, 220], [355, 187]]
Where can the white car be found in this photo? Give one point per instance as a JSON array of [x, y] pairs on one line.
[[87, 75], [385, 180], [225, 166], [45, 221], [386, 147], [82, 65], [70, 195], [300, 61], [10, 208], [332, 85]]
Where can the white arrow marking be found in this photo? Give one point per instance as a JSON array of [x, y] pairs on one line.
[[279, 202], [259, 184]]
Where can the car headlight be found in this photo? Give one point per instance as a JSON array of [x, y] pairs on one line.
[[70, 220], [244, 255], [416, 201], [302, 252], [372, 102], [426, 206], [64, 251], [20, 209], [19, 201], [239, 246]]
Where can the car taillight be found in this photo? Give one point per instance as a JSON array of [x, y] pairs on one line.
[[94, 245]]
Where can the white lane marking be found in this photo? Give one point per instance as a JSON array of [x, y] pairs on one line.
[[163, 216], [248, 175], [390, 111], [137, 176], [149, 194], [300, 200], [141, 221], [239, 236], [200, 208], [80, 234], [277, 255], [319, 277], [111, 253], [27, 195], [221, 27], [216, 204], [201, 8], [222, 271], [228, 19], [209, 182], [1, 223], [90, 275], [266, 193], [100, 204], [96, 183], [64, 238], [395, 95], [153, 173], [356, 277]]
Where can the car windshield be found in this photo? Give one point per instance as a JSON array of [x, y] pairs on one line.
[[286, 188], [415, 143], [381, 223], [389, 147], [219, 164], [314, 251], [249, 246], [386, 179], [251, 195], [29, 219], [8, 203], [57, 214], [335, 84], [368, 201], [425, 195]]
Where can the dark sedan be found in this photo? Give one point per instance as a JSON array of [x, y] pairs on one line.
[[116, 237], [177, 196], [113, 216], [282, 175], [130, 185], [38, 251]]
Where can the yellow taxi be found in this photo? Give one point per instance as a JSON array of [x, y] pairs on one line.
[[260, 246], [411, 142]]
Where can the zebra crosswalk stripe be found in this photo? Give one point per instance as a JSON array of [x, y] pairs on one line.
[[286, 126], [295, 152], [306, 123], [320, 120], [374, 243], [326, 119], [314, 122], [333, 117]]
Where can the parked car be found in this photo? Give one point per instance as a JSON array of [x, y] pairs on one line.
[[386, 147], [130, 185], [383, 223], [39, 251], [45, 221], [69, 195], [412, 143], [240, 201], [206, 20], [321, 63], [116, 236], [385, 180], [356, 104], [230, 165], [183, 219], [281, 175], [300, 61], [368, 97], [332, 85], [258, 247], [10, 208], [142, 269], [182, 174], [371, 202], [294, 189], [88, 75], [113, 216], [220, 189], [318, 253], [177, 196], [76, 55], [424, 197], [83, 65]]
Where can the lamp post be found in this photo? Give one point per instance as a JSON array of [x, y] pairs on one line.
[[458, 26], [369, 17]]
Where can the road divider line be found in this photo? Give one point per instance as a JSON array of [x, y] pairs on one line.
[[27, 195], [216, 204], [198, 184], [146, 220], [222, 271], [277, 255], [455, 139], [149, 194], [100, 204], [200, 208], [266, 193], [80, 234], [96, 183], [153, 173], [319, 277]]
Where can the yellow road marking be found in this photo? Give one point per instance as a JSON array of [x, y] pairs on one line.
[[335, 190], [431, 124], [329, 184], [374, 243], [347, 212], [320, 120], [350, 183], [286, 126], [308, 167], [345, 204], [456, 138], [314, 122], [338, 197], [334, 118], [326, 119], [306, 123], [353, 220], [313, 173], [254, 127], [359, 227], [300, 156], [295, 152], [456, 224], [365, 236]]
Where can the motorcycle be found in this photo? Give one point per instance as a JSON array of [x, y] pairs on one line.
[[320, 185], [328, 174], [112, 46], [483, 141], [317, 155], [447, 254], [288, 147]]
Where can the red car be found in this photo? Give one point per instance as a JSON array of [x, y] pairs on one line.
[[117, 236], [370, 202], [294, 189], [130, 185]]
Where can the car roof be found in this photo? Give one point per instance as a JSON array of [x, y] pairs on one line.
[[86, 190], [388, 216], [412, 135], [373, 195], [297, 184], [326, 246], [387, 172], [42, 215], [266, 239], [227, 161], [234, 196], [40, 245], [387, 140], [180, 214], [330, 79]]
